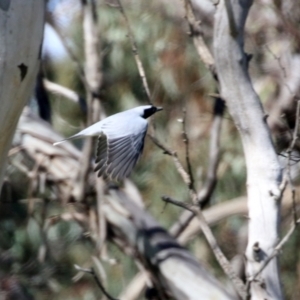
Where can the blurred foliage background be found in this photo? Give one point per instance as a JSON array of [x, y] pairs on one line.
[[38, 249]]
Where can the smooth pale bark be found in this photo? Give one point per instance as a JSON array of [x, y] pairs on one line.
[[21, 33], [263, 170]]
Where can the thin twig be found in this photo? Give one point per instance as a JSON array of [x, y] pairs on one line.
[[93, 273], [184, 175], [72, 55], [187, 152], [278, 58], [224, 263], [207, 58], [196, 34], [137, 58], [211, 178]]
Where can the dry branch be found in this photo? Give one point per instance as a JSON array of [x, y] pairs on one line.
[[132, 227], [224, 263], [72, 55], [196, 33], [238, 284], [186, 141], [175, 267], [186, 176], [60, 90], [97, 280], [207, 189], [205, 55], [137, 58], [183, 173]]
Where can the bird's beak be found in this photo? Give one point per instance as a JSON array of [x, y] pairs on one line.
[[159, 108]]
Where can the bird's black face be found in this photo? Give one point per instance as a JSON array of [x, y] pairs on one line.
[[150, 111]]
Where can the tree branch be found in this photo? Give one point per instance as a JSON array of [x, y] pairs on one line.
[[187, 152], [184, 175], [174, 267], [98, 282], [211, 178], [60, 90], [205, 55], [224, 263], [196, 34], [137, 58], [71, 53]]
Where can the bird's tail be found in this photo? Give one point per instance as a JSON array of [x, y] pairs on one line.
[[73, 137]]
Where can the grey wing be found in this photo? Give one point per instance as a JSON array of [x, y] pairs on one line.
[[117, 156], [101, 153]]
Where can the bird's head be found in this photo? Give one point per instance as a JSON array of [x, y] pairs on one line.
[[147, 110]]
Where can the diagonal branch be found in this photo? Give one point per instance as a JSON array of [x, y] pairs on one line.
[[137, 58], [72, 55], [98, 282], [60, 90], [205, 55], [196, 33], [207, 189], [184, 175], [187, 151], [224, 263]]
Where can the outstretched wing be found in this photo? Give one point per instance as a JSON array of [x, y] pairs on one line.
[[117, 156]]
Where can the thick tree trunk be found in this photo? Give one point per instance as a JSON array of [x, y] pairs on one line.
[[263, 169], [21, 32]]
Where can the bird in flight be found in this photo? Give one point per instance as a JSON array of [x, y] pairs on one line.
[[120, 141]]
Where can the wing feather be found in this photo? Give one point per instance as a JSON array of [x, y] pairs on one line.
[[119, 160], [101, 148], [117, 156], [127, 167]]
